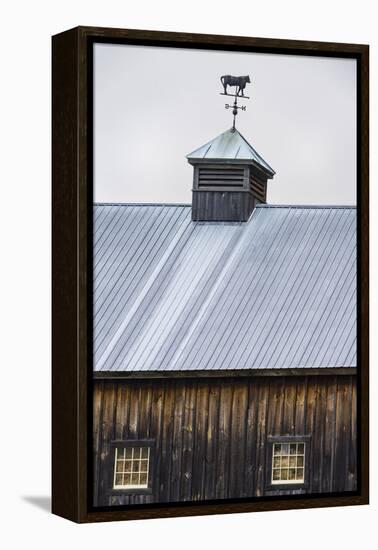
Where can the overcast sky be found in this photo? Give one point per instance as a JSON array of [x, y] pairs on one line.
[[155, 105]]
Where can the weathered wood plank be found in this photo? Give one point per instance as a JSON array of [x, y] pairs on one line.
[[251, 442], [300, 409], [262, 413], [311, 398], [223, 461], [212, 441], [187, 442], [134, 415], [275, 412], [238, 438], [200, 439], [289, 402], [177, 442], [107, 434], [352, 462], [329, 438], [342, 434], [319, 438], [98, 394], [156, 429], [145, 405]]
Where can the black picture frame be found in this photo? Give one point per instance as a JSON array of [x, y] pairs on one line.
[[72, 199]]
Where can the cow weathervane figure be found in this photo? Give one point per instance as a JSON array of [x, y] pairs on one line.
[[239, 82]]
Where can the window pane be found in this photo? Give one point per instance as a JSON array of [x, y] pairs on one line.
[[292, 473], [293, 448], [136, 466], [293, 461], [276, 475], [120, 453], [137, 451], [143, 465], [134, 479], [145, 452], [143, 479], [300, 473], [284, 462], [277, 449], [299, 460], [284, 474], [126, 480], [277, 462], [300, 450], [119, 466], [129, 452], [118, 480], [284, 449], [128, 466]]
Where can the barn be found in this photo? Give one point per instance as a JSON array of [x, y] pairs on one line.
[[224, 341]]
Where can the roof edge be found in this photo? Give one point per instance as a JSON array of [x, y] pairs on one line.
[[299, 371]]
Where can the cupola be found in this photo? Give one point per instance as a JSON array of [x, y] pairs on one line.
[[229, 179]]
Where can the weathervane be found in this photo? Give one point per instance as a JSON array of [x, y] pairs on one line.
[[240, 83]]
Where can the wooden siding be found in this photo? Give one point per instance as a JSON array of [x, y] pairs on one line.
[[212, 435], [220, 205]]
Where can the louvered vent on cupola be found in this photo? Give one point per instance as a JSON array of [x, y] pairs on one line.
[[223, 177], [229, 179]]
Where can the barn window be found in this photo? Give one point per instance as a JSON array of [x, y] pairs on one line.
[[288, 463], [131, 467]]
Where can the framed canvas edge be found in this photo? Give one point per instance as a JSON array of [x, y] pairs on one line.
[[71, 288]]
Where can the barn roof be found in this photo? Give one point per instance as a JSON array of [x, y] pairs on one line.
[[278, 291], [231, 145]]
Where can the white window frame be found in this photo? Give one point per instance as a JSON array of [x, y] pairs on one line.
[[289, 481], [132, 460]]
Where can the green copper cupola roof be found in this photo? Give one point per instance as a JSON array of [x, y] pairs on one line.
[[230, 147]]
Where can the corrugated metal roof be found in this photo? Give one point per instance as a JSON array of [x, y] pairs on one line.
[[276, 292], [230, 145]]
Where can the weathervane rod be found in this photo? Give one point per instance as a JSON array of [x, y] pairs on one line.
[[235, 112]]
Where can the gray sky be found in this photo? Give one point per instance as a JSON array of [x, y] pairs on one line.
[[155, 105]]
